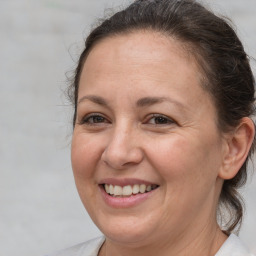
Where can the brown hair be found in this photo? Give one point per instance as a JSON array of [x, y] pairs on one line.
[[225, 67]]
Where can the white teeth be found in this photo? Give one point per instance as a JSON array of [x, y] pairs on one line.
[[111, 190], [148, 188], [118, 191], [142, 188], [136, 189], [128, 190], [107, 188]]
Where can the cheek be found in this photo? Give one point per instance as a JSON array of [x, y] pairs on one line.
[[188, 171], [183, 159], [85, 153]]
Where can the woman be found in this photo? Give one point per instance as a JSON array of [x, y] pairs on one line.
[[163, 95]]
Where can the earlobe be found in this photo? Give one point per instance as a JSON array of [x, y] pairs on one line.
[[238, 144]]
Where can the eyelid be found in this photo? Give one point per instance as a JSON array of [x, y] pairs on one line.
[[85, 118], [170, 120]]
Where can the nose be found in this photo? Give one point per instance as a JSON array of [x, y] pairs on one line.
[[123, 149]]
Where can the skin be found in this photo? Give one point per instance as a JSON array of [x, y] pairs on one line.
[[186, 154]]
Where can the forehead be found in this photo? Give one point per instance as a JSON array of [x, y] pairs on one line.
[[144, 62], [142, 47]]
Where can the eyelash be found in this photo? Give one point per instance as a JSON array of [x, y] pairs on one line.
[[86, 119], [162, 118]]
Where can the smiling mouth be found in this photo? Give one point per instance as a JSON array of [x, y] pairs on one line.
[[128, 190]]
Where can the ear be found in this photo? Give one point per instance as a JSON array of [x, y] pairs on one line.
[[238, 144]]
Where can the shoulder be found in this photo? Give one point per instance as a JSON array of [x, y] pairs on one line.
[[89, 248], [233, 246]]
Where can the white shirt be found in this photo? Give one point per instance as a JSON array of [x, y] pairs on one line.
[[232, 247]]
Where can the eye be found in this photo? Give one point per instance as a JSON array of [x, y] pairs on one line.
[[157, 119], [94, 119]]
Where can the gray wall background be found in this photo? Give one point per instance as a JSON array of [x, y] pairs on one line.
[[40, 210]]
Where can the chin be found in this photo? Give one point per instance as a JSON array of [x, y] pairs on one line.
[[126, 229]]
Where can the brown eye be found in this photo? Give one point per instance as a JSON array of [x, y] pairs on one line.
[[94, 119], [160, 120]]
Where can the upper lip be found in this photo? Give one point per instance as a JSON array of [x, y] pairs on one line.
[[125, 182]]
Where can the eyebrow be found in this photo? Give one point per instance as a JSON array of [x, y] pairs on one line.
[[95, 99], [148, 101], [143, 102]]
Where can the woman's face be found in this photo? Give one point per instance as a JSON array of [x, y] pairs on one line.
[[145, 123]]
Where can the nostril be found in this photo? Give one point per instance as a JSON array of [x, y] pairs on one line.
[[119, 158]]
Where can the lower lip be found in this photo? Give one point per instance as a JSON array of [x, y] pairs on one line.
[[125, 202]]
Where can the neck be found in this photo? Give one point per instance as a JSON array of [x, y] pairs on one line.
[[207, 241]]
